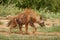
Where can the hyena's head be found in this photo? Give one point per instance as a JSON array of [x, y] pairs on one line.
[[40, 21]]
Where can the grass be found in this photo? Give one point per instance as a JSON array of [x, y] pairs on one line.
[[12, 10], [50, 29], [39, 29], [1, 23], [29, 37], [32, 37]]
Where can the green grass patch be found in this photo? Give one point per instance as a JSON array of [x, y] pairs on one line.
[[28, 37], [31, 29], [12, 10], [33, 37], [50, 29], [1, 23]]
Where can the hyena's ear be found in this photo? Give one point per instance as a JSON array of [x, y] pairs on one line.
[[41, 17]]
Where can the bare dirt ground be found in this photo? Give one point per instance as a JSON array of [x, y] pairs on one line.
[[47, 22]]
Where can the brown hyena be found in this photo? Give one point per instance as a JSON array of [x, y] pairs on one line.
[[28, 16]]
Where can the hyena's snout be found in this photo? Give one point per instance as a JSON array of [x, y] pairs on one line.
[[42, 23]]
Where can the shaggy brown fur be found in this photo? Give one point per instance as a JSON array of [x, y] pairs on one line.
[[28, 16]]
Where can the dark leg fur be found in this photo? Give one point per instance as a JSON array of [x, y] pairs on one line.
[[26, 25], [35, 29], [20, 28]]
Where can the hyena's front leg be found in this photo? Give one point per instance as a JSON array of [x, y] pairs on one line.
[[35, 29]]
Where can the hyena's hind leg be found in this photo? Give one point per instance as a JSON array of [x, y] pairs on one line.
[[11, 27]]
